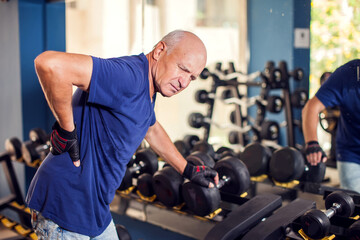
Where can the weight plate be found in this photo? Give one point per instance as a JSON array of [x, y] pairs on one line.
[[315, 224], [144, 185], [238, 173], [256, 158], [200, 200], [167, 186], [286, 164]]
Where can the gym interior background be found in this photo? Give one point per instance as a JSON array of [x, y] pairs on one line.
[[248, 33]]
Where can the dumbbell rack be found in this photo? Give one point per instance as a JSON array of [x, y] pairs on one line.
[[217, 82], [271, 81], [272, 78]]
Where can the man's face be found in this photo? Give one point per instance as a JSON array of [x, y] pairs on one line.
[[176, 70]]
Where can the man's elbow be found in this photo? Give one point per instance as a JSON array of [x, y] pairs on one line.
[[45, 62]]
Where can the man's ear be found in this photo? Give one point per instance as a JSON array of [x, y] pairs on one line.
[[159, 49]]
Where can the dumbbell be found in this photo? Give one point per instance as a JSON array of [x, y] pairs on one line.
[[233, 138], [145, 161], [299, 98], [203, 96], [288, 164], [167, 182], [13, 148], [269, 130], [37, 147], [197, 120], [184, 146], [272, 103], [234, 179], [297, 73], [316, 223], [256, 157]]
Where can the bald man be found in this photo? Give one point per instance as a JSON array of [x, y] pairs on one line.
[[99, 128]]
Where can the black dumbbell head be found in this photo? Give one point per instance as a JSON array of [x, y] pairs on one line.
[[224, 152], [196, 120], [226, 94], [200, 200], [316, 173], [167, 186], [38, 135], [299, 98], [145, 185], [354, 231], [201, 96], [345, 201], [270, 130], [298, 74], [149, 159], [238, 173], [233, 137], [190, 141], [13, 147], [203, 146], [126, 181], [275, 104], [315, 224], [29, 152], [182, 148], [256, 158], [286, 164], [205, 73], [199, 158]]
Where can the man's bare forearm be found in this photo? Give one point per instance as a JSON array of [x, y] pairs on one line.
[[162, 145]]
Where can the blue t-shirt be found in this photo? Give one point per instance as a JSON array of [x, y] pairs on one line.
[[111, 120], [343, 89]]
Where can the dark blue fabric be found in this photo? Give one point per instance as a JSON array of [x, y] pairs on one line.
[[112, 120], [343, 89]]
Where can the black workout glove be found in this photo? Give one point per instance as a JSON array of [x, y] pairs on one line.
[[63, 141], [199, 174], [314, 147]]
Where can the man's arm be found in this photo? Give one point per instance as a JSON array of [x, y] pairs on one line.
[[310, 120], [162, 145], [58, 72]]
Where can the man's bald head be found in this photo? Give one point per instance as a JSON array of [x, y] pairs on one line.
[[174, 38]]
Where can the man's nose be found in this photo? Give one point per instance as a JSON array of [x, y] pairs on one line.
[[184, 81]]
